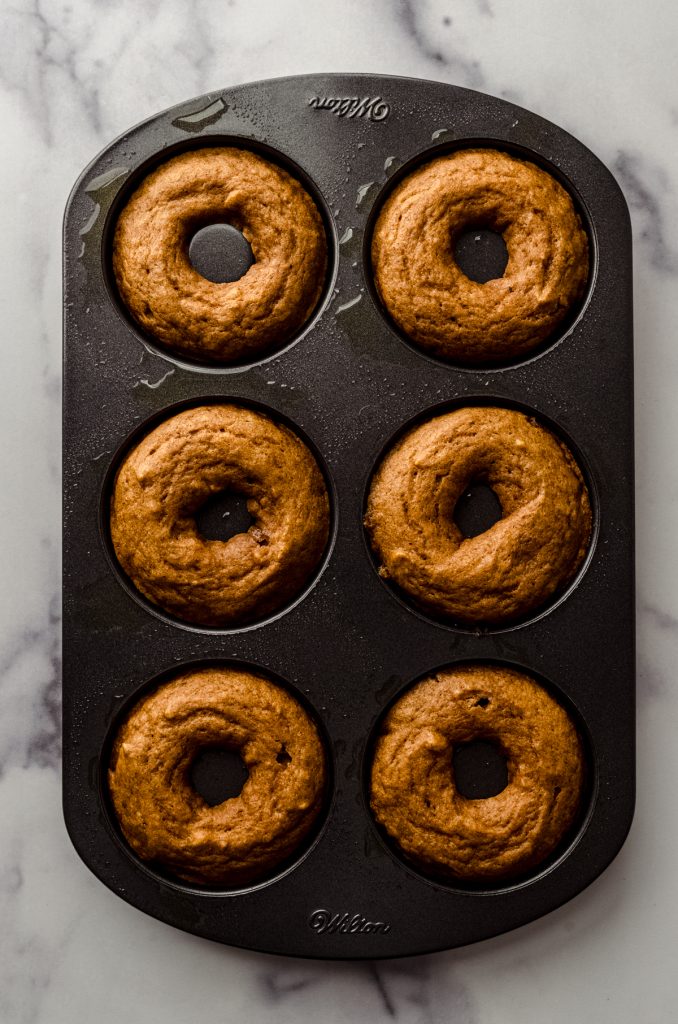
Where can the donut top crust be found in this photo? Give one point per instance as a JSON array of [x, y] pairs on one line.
[[534, 550], [164, 819], [412, 781], [426, 292], [200, 318], [178, 466]]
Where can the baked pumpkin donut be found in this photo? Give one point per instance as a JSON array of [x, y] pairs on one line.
[[412, 788], [165, 820], [509, 570], [200, 318], [164, 480], [428, 295]]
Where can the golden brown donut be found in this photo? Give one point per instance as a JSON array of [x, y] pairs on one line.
[[165, 820], [426, 292], [509, 570], [412, 790], [183, 310], [171, 473]]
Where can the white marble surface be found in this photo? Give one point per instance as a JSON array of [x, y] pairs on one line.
[[73, 74]]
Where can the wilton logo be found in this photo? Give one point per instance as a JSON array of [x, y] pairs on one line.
[[325, 922], [373, 108]]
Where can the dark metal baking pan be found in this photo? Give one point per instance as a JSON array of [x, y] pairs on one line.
[[349, 382]]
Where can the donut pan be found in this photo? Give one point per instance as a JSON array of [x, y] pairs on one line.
[[349, 645]]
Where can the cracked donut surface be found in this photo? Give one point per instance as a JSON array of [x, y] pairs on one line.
[[166, 478], [412, 789], [511, 569], [425, 290], [166, 821], [195, 317]]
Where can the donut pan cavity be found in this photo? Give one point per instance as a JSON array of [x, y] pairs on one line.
[[349, 383]]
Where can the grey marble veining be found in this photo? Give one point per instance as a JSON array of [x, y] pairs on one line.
[[72, 76]]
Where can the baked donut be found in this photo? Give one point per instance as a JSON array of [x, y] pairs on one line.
[[181, 309], [165, 478], [509, 570], [412, 788], [428, 295], [166, 821]]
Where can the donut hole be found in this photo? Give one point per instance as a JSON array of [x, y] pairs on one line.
[[481, 254], [223, 516], [479, 768], [220, 253], [218, 774], [477, 509]]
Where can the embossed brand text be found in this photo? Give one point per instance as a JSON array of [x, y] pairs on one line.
[[325, 922], [373, 108]]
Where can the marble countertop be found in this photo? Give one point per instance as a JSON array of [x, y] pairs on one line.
[[75, 74]]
